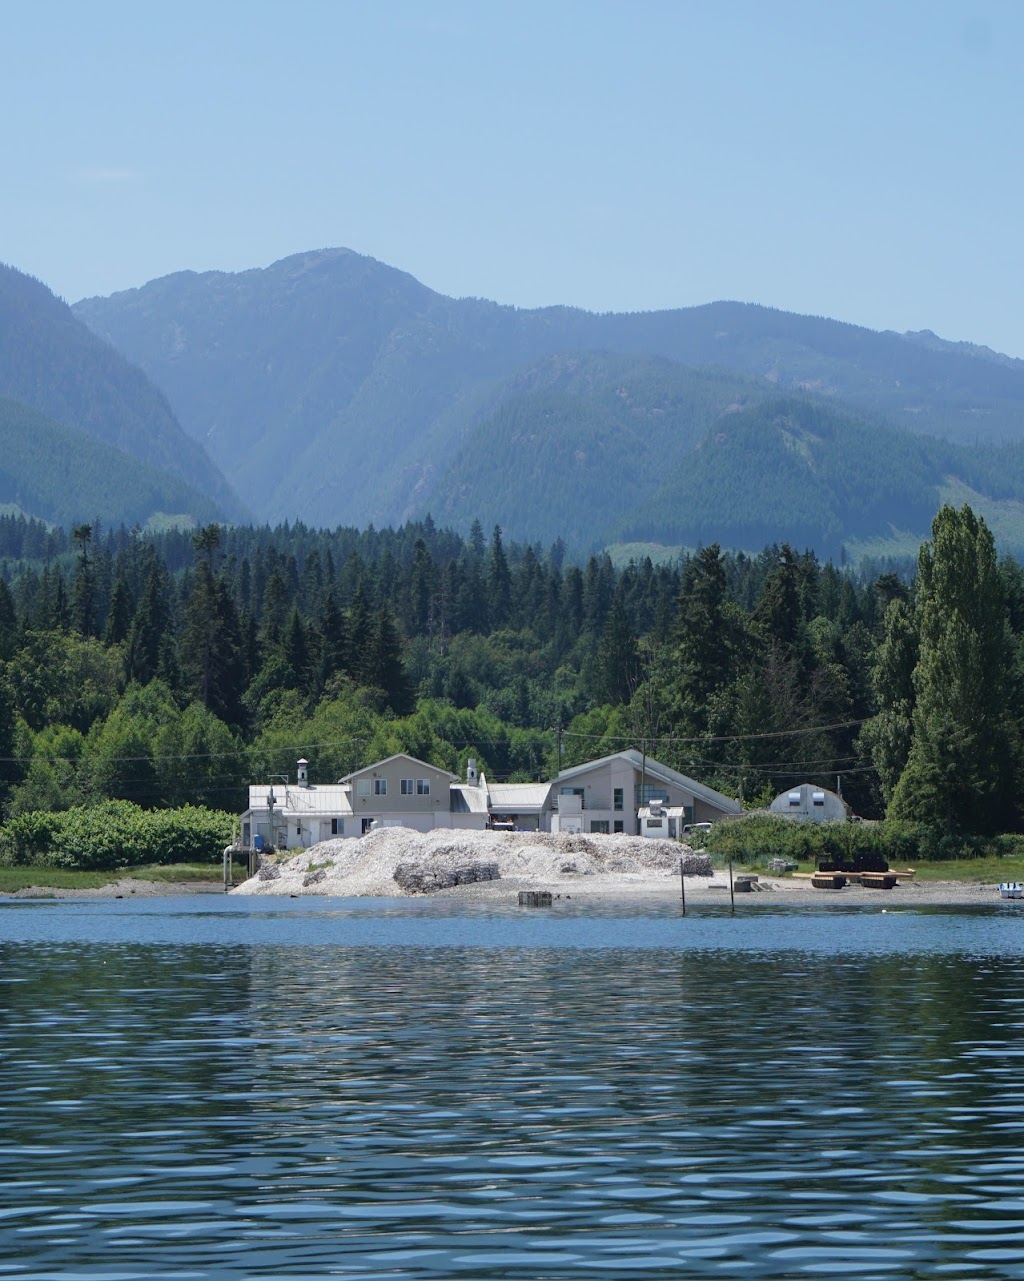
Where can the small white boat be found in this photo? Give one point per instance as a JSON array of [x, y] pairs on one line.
[[1011, 889]]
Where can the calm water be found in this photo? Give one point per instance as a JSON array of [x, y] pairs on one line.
[[211, 1088]]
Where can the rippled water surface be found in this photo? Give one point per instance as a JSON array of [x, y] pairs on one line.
[[207, 1088]]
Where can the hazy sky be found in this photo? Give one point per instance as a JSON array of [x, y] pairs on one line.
[[855, 159]]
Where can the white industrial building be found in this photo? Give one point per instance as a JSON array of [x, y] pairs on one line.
[[625, 792]]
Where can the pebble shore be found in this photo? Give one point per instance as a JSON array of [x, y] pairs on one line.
[[494, 866], [582, 868]]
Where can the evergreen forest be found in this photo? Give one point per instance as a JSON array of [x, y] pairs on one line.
[[170, 670]]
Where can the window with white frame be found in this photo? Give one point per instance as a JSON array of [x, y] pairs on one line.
[[408, 787], [380, 787], [423, 787], [363, 787]]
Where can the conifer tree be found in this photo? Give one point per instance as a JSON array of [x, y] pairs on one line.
[[499, 581], [83, 592], [707, 635], [618, 662], [147, 630], [10, 633], [384, 664], [119, 615]]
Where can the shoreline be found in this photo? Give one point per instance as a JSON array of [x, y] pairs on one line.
[[602, 890], [123, 887]]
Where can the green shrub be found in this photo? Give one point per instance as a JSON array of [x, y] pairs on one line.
[[115, 834], [759, 837]]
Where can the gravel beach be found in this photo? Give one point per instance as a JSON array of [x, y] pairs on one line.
[[493, 867], [580, 868]]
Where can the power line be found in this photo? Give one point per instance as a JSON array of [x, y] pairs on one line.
[[720, 738]]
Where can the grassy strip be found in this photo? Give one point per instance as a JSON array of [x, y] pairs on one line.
[[967, 871], [59, 878], [175, 872], [973, 871], [52, 878]]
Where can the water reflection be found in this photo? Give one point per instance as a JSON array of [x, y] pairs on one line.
[[462, 1111]]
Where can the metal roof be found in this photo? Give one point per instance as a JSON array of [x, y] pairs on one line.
[[655, 770], [468, 799], [517, 798], [292, 799]]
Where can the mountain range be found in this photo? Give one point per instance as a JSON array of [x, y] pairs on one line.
[[334, 389], [84, 432], [331, 387]]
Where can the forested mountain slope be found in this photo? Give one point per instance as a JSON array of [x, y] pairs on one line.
[[53, 363], [335, 388], [67, 477]]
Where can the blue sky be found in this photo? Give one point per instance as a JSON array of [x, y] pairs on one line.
[[859, 160]]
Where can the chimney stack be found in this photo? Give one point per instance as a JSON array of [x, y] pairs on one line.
[[303, 767]]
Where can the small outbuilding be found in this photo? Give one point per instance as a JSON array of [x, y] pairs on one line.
[[812, 804]]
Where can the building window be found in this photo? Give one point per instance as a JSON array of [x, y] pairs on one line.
[[618, 825], [407, 787], [380, 787], [363, 786], [336, 826], [654, 822], [423, 787], [818, 798], [794, 798], [367, 825], [617, 798], [650, 792], [599, 825]]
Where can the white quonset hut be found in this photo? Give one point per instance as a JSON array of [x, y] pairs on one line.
[[812, 804], [625, 793]]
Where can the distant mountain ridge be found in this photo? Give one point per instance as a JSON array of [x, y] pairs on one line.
[[67, 477], [337, 389], [53, 364]]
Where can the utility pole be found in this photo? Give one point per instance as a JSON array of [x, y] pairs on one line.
[[643, 782]]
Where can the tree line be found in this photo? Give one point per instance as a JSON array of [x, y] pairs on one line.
[[173, 668]]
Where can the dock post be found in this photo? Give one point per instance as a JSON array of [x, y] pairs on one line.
[[732, 891], [682, 886]]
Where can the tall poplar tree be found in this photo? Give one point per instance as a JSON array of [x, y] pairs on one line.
[[959, 772], [889, 734]]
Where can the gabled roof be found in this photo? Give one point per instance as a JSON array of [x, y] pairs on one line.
[[398, 756], [661, 773], [465, 798]]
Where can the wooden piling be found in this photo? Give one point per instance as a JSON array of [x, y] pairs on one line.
[[732, 890], [682, 886]]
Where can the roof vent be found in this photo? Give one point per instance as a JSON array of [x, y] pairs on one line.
[[303, 767]]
